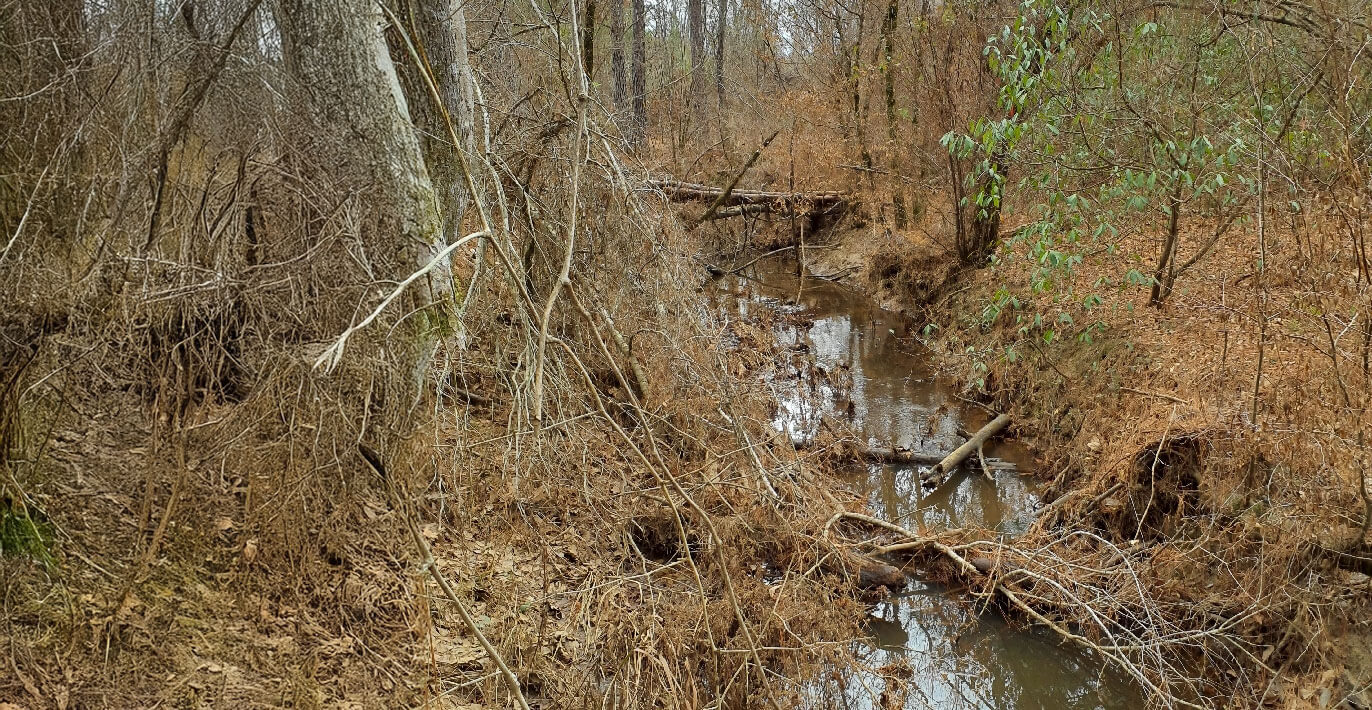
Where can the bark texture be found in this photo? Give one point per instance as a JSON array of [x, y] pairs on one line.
[[588, 41], [695, 28], [617, 63], [721, 23], [348, 89], [441, 30]]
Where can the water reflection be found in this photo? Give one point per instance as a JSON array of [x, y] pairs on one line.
[[856, 360], [957, 659], [925, 650]]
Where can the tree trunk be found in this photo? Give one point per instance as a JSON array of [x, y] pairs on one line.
[[347, 87], [888, 32], [1164, 276], [617, 68], [588, 41], [640, 72], [695, 28], [442, 35], [721, 22], [854, 66], [985, 224]]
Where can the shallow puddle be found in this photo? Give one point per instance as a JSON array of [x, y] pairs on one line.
[[858, 362]]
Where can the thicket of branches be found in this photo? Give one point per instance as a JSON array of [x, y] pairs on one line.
[[286, 282]]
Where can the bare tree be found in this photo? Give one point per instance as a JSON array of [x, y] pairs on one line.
[[617, 67], [695, 28], [640, 71], [888, 35], [721, 22]]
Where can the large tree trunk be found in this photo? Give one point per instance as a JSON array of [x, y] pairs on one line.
[[617, 68], [348, 89], [640, 72], [695, 28]]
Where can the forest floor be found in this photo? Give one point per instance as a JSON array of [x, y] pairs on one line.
[[218, 563]]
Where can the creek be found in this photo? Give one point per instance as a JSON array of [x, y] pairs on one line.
[[925, 648]]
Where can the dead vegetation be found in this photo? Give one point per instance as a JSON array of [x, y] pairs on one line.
[[585, 466], [1246, 532], [253, 454]]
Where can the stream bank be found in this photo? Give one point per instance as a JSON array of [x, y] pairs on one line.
[[1171, 432], [859, 364]]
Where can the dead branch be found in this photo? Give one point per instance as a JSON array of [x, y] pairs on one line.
[[951, 461], [724, 194]]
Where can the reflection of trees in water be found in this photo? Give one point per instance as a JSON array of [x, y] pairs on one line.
[[967, 499], [955, 658], [960, 660]]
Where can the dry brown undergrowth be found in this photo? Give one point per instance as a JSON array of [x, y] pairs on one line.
[[222, 542], [1151, 433]]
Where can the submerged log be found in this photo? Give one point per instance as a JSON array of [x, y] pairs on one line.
[[879, 574], [968, 448], [866, 573], [899, 456]]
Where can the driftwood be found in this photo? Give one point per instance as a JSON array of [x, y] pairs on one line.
[[968, 448]]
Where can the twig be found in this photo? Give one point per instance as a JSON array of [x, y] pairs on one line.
[[985, 470], [1159, 395]]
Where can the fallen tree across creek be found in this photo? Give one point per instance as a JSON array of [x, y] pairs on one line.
[[738, 203], [971, 446]]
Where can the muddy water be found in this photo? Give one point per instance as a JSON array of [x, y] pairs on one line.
[[852, 360]]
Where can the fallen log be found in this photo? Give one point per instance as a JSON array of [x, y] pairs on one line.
[[679, 191], [723, 197], [866, 573], [951, 461], [739, 211], [875, 575]]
